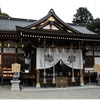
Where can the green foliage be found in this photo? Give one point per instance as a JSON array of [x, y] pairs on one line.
[[82, 16], [95, 26], [3, 14]]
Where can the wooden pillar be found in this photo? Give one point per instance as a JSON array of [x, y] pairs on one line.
[[81, 70], [37, 78], [82, 78]]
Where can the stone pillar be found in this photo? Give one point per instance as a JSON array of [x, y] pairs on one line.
[[98, 81], [37, 78]]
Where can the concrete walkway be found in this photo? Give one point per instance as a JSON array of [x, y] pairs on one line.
[[75, 92], [56, 89]]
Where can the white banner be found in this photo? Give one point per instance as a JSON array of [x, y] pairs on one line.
[[53, 56]]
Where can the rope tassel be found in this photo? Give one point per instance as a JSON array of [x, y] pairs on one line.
[[44, 81], [73, 79], [53, 81]]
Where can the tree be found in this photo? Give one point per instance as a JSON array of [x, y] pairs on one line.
[[3, 14], [94, 26], [82, 16]]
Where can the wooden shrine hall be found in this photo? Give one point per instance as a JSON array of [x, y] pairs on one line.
[[50, 51]]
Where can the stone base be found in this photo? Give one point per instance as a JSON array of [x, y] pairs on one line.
[[81, 84], [15, 85], [38, 85], [98, 80]]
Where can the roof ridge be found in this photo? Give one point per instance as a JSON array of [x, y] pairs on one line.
[[16, 19]]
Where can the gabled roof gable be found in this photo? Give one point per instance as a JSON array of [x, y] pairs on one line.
[[52, 19]]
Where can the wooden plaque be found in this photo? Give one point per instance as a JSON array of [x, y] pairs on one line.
[[16, 67], [96, 68]]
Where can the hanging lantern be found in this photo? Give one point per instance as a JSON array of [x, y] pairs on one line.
[[22, 45], [27, 61], [78, 74], [20, 33], [8, 45], [86, 48], [16, 45], [0, 44]]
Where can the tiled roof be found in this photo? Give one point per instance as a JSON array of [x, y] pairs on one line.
[[7, 24], [82, 29], [10, 24]]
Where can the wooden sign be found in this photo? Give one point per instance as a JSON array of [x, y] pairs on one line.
[[96, 68], [16, 67]]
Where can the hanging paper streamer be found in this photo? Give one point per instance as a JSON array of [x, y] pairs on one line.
[[60, 62], [63, 51], [40, 62], [57, 51], [49, 51]]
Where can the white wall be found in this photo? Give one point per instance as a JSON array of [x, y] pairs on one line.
[[8, 50], [20, 50], [97, 53], [12, 50], [97, 60], [89, 53]]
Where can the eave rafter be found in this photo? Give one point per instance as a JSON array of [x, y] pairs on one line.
[[9, 37], [57, 35]]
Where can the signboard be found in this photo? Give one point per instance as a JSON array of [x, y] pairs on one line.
[[96, 68], [16, 67]]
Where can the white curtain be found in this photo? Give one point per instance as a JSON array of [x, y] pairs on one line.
[[61, 54]]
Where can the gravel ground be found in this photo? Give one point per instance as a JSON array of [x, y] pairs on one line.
[[82, 93]]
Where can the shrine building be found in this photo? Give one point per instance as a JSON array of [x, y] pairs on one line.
[[51, 52]]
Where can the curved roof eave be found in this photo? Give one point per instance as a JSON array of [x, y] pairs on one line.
[[83, 29], [59, 33], [52, 13], [39, 21]]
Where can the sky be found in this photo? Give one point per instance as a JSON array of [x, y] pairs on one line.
[[36, 9]]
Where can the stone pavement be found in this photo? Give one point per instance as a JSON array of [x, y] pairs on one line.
[[75, 92]]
